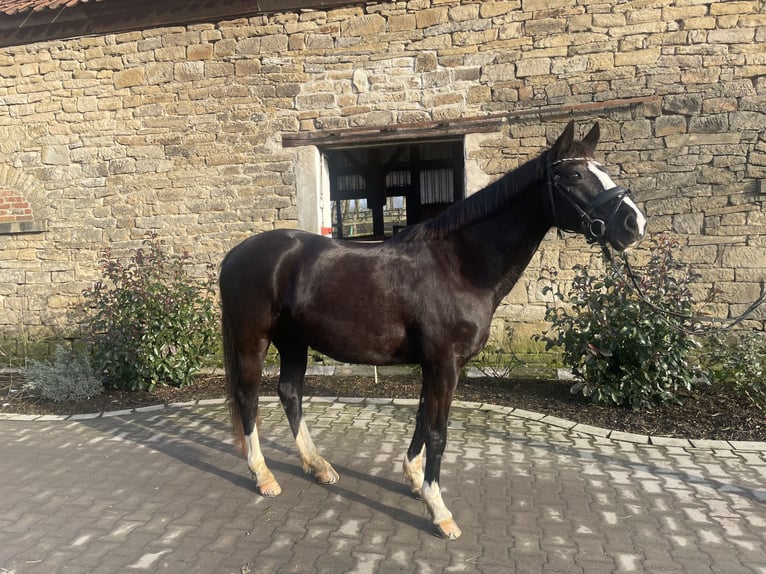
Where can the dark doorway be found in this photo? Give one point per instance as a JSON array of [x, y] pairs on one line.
[[376, 191]]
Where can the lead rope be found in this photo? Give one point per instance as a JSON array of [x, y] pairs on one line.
[[726, 324]]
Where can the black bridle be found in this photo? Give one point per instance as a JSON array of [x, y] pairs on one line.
[[593, 227], [595, 231]]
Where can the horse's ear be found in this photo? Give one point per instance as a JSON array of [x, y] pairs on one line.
[[564, 143], [591, 140]]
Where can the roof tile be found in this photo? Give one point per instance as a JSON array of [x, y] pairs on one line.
[[11, 7]]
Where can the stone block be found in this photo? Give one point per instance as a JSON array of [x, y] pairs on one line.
[[55, 155], [425, 62], [683, 13], [249, 68], [533, 5], [319, 41], [249, 46], [498, 73], [731, 36], [688, 223], [669, 125], [533, 67], [431, 17], [400, 23], [637, 129], [566, 66], [275, 43], [493, 9], [746, 120], [738, 8], [367, 25], [600, 61], [709, 124], [647, 57], [700, 76], [171, 54], [128, 78], [188, 71], [316, 101], [744, 256], [199, 52], [684, 104], [474, 38], [464, 12]]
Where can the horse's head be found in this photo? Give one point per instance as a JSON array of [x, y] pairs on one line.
[[584, 199]]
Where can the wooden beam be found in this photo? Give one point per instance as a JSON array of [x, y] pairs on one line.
[[435, 130], [416, 132], [92, 18]]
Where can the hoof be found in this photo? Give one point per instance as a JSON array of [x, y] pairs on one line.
[[269, 489], [447, 529], [417, 493], [327, 476]]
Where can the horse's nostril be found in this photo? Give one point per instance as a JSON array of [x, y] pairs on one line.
[[631, 223]]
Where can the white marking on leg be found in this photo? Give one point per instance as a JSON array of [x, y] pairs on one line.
[[310, 458], [440, 515], [413, 471], [264, 480]]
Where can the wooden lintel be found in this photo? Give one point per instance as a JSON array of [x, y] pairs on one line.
[[92, 18], [393, 133], [423, 131]]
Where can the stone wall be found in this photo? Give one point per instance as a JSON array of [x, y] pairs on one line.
[[178, 130]]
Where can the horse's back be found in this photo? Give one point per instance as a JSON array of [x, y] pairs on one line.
[[255, 273], [260, 253]]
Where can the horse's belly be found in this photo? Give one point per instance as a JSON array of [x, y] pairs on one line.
[[353, 339]]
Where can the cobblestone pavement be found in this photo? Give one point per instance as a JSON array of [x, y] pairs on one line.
[[164, 491]]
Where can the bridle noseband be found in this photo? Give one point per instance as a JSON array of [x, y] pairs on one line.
[[593, 228]]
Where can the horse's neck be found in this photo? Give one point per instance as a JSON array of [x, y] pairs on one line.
[[498, 249]]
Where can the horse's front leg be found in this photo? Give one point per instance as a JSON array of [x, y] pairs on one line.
[[414, 459], [439, 384], [291, 377]]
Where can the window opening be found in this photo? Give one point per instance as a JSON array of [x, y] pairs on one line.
[[377, 191]]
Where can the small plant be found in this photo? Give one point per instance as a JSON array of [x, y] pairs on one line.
[[739, 359], [624, 351], [149, 322], [497, 360], [68, 378]]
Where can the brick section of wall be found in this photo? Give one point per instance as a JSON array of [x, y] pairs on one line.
[[178, 130], [13, 207]]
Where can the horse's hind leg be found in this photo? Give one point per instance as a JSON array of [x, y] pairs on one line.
[[291, 377], [250, 371], [439, 381]]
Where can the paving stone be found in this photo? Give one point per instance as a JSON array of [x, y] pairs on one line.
[[670, 441], [629, 437], [165, 490]]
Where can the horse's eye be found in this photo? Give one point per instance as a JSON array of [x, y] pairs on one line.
[[575, 175]]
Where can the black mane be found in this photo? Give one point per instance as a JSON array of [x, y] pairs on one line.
[[480, 205]]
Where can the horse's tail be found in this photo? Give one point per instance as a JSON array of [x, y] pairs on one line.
[[231, 364]]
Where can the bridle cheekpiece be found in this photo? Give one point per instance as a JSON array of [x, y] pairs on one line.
[[594, 228]]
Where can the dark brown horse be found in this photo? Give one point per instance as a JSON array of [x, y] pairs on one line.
[[425, 296]]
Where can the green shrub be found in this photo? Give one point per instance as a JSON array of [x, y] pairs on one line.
[[739, 358], [149, 322], [623, 351], [68, 378]]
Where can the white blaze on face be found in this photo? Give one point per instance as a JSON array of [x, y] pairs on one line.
[[596, 169], [606, 182]]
